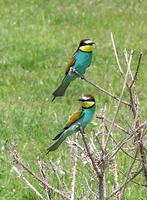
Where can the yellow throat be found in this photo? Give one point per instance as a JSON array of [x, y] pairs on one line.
[[86, 48], [87, 104]]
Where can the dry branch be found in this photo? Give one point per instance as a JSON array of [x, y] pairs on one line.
[[102, 89], [115, 170], [128, 174], [137, 70], [118, 106], [27, 182], [74, 152], [99, 173], [19, 162], [116, 56], [42, 172], [128, 181], [115, 125]]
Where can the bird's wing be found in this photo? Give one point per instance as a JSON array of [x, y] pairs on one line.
[[71, 62], [74, 117]]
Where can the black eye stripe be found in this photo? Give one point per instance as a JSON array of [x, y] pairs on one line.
[[84, 44], [88, 100]]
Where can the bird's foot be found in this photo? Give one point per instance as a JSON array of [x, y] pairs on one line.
[[82, 77], [75, 71], [81, 129]]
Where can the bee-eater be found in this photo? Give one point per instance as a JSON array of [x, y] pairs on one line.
[[80, 61], [78, 119]]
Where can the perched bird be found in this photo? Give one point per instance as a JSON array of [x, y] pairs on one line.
[[79, 62], [82, 117]]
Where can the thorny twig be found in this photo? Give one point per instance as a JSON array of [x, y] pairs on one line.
[[89, 154], [118, 106], [116, 125], [99, 173], [128, 174], [27, 182], [134, 104], [137, 70], [40, 180], [115, 170], [74, 152], [61, 183], [120, 188], [136, 114], [128, 59], [102, 89], [42, 172], [116, 56]]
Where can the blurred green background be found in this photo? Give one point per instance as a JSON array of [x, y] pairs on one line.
[[37, 39]]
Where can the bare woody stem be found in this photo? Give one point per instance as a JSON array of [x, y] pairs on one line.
[[129, 180], [116, 125], [42, 172], [28, 183], [137, 70], [128, 174], [102, 89], [118, 106], [74, 153], [99, 174], [134, 102], [44, 183], [136, 114], [116, 56]]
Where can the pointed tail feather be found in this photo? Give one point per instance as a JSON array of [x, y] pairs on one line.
[[55, 145], [57, 136], [60, 91], [53, 98], [62, 88]]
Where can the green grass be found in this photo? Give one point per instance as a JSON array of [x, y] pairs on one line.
[[37, 39]]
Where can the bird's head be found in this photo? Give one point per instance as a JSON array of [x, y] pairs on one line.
[[86, 45], [87, 101]]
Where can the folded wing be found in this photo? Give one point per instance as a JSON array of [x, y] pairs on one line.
[[73, 118], [71, 62]]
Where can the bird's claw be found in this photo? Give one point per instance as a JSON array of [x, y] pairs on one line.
[[75, 71], [81, 128]]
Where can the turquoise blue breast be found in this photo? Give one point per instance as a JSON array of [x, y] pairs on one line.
[[83, 61], [87, 117]]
